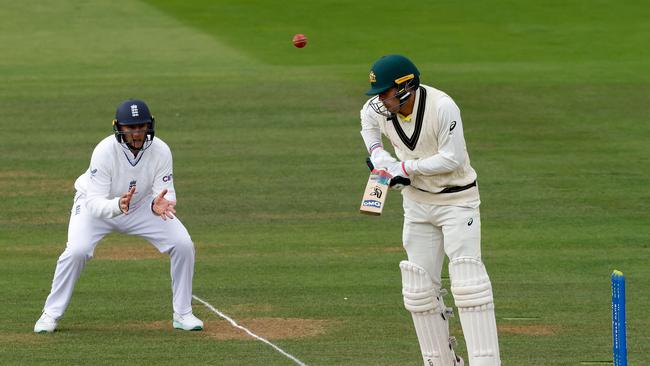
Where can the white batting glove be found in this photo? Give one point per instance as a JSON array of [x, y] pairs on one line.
[[399, 176], [397, 169], [381, 159]]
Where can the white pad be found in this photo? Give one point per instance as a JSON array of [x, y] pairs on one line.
[[429, 315], [472, 292]]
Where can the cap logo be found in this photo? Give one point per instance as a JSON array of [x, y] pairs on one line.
[[372, 77], [134, 111]]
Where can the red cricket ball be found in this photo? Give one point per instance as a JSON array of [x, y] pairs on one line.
[[299, 40]]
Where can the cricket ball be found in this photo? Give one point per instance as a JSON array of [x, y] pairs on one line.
[[299, 40]]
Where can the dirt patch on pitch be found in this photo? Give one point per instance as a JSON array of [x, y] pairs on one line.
[[142, 250], [250, 308], [269, 328], [534, 329]]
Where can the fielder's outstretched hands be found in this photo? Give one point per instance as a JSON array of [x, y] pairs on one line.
[[125, 200], [163, 207]]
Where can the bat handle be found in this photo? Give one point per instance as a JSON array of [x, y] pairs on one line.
[[369, 163]]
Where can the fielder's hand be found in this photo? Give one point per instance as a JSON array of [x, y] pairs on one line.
[[125, 200], [163, 207]]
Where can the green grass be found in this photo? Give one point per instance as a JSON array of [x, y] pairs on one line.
[[269, 171]]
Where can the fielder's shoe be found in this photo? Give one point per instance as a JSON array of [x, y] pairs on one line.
[[187, 322], [45, 324]]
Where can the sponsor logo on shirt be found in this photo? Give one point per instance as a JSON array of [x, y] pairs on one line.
[[167, 178], [453, 125], [132, 184]]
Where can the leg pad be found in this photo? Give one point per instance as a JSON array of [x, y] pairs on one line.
[[472, 292], [429, 313]]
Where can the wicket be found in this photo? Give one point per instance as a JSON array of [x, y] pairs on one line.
[[618, 319]]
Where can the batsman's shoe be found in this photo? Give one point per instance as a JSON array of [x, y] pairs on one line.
[[187, 322], [45, 324]]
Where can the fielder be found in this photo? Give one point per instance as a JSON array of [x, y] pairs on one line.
[[441, 210], [128, 188]]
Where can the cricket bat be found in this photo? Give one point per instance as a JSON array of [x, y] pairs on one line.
[[374, 196]]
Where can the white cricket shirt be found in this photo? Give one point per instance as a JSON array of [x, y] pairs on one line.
[[113, 170], [431, 144]]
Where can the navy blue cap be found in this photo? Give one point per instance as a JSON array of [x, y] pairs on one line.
[[133, 112]]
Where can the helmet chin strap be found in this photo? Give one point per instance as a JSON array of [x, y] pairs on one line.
[[136, 150], [133, 148]]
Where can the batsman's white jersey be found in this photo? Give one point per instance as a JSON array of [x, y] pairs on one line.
[[95, 213], [431, 143], [441, 217]]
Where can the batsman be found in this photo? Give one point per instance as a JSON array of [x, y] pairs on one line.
[[441, 210]]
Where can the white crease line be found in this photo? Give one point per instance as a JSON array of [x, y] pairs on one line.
[[234, 324]]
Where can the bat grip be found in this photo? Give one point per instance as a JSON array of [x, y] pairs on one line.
[[369, 163]]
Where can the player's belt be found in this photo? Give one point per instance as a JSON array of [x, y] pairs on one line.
[[451, 189]]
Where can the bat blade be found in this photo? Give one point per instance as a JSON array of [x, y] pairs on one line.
[[375, 193]]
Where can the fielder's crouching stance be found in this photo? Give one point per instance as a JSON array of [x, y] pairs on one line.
[[128, 188], [441, 210]]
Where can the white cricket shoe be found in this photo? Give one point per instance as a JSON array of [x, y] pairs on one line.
[[45, 324], [187, 322]]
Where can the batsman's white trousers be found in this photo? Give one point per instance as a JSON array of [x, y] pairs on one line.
[[431, 231], [85, 231]]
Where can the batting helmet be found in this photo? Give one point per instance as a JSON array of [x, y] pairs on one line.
[[392, 71], [133, 112]]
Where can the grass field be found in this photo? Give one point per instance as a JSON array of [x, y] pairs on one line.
[[269, 170]]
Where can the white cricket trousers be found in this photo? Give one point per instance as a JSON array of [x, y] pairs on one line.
[[85, 231], [431, 231]]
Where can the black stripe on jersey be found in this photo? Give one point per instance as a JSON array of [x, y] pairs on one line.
[[411, 142]]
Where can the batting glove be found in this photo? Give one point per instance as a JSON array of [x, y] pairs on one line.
[[400, 177], [381, 159]]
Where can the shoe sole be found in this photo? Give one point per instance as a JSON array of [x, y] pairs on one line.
[[43, 331], [179, 326]]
